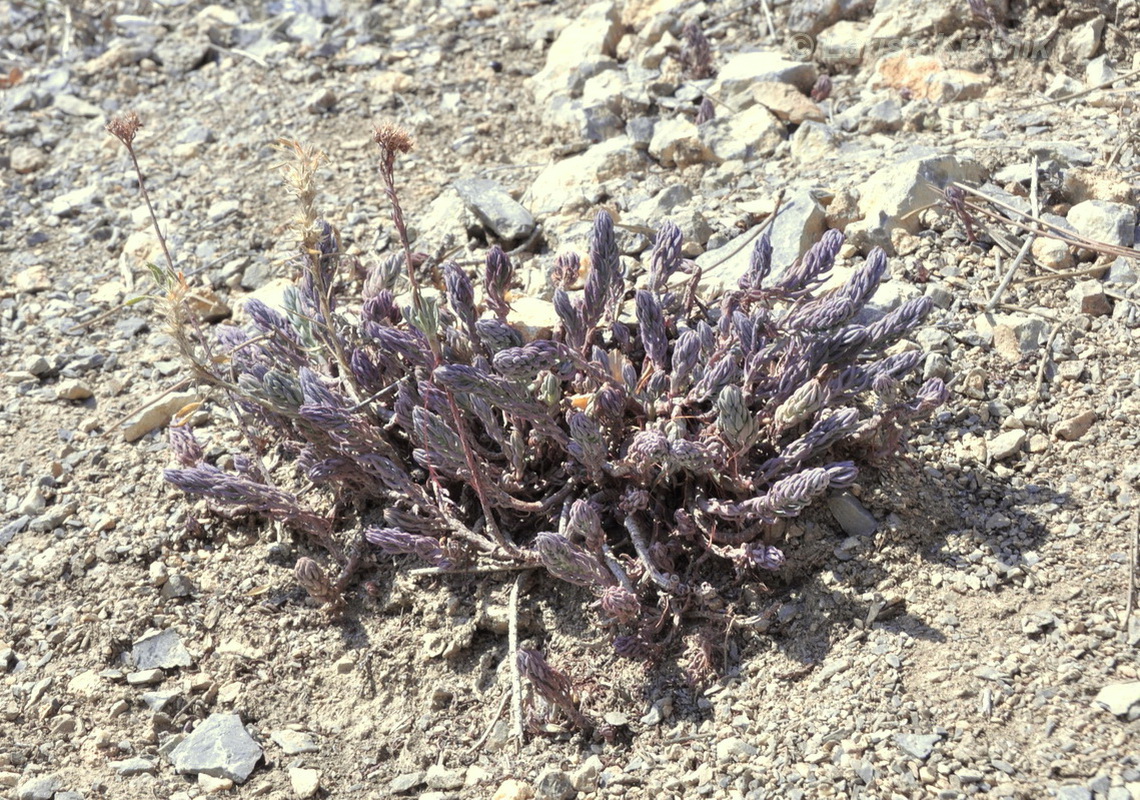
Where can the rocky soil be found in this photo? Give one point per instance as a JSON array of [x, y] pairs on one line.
[[964, 627]]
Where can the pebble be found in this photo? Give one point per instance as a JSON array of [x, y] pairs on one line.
[[1006, 445], [160, 649], [734, 749], [305, 782], [512, 789], [156, 413], [853, 518], [404, 783], [1120, 698], [75, 107], [918, 746], [744, 70], [294, 743], [888, 197], [1074, 428], [73, 389], [1106, 222], [444, 778], [133, 766], [219, 747], [145, 677], [25, 159], [71, 203], [491, 203], [554, 784]]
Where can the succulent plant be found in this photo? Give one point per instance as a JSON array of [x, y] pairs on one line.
[[650, 441]]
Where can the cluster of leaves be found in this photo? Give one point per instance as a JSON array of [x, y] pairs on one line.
[[647, 449]]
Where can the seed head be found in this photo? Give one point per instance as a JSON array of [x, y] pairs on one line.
[[393, 139], [125, 127]]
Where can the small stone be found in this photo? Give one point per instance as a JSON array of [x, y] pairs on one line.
[[745, 70], [211, 785], [853, 518], [177, 585], [31, 280], [320, 101], [75, 107], [305, 782], [1074, 428], [512, 789], [442, 778], [784, 101], [744, 136], [734, 749], [160, 649], [1005, 445], [678, 142], [390, 81], [37, 365], [554, 784], [1084, 41], [1103, 221], [25, 159], [1090, 298], [888, 198], [220, 209], [585, 778], [406, 782], [294, 743], [156, 413], [133, 766], [500, 212], [161, 701], [1073, 793], [71, 203], [1052, 253], [41, 788], [72, 389], [86, 684], [145, 677], [219, 747], [916, 745], [953, 85], [575, 181]]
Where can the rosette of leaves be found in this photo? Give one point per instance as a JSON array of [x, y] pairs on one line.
[[651, 440]]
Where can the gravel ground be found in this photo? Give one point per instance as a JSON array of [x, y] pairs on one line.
[[976, 642]]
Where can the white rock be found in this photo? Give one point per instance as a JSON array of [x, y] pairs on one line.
[[71, 203], [734, 749], [305, 782], [745, 69], [753, 133], [892, 193], [1119, 698], [594, 32], [1103, 221], [576, 180], [1006, 445], [813, 142], [72, 389], [677, 142], [156, 413]]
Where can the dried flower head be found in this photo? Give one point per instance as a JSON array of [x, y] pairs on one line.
[[125, 127], [393, 139]]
